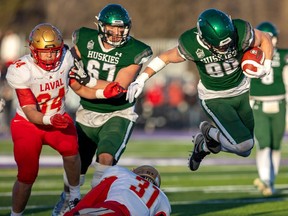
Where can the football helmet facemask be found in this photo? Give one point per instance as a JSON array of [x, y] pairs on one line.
[[149, 173], [217, 31], [116, 16], [271, 29], [46, 38]]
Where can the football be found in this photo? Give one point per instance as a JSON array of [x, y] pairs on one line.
[[252, 56]]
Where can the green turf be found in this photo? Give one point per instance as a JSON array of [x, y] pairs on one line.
[[213, 190]]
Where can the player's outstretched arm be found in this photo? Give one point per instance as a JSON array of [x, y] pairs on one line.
[[157, 64]]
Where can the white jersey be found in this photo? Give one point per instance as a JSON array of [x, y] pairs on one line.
[[48, 87], [133, 191]]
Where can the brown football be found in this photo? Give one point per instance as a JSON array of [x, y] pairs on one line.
[[254, 54]]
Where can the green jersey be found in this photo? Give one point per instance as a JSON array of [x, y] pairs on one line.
[[218, 72], [272, 84], [104, 64]]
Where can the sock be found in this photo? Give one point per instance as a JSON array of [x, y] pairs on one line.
[[264, 164], [75, 192], [276, 158], [16, 214]]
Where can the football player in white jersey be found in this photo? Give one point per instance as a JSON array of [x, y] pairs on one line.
[[122, 192], [2, 102], [40, 80]]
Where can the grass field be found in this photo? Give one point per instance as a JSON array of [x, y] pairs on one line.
[[213, 190]]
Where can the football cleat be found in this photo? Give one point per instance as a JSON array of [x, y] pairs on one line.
[[61, 206], [71, 204], [198, 154], [212, 145], [265, 189]]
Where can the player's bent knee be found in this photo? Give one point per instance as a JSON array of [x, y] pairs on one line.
[[27, 179], [244, 149]]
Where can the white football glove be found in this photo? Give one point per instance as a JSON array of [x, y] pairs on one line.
[[268, 66], [2, 104], [262, 70], [136, 87]]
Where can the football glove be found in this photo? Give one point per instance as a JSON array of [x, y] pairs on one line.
[[57, 121], [112, 90], [262, 70], [136, 87], [77, 72], [2, 104]]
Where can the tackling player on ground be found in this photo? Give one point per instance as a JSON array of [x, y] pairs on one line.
[[216, 46], [122, 192], [104, 126], [269, 109]]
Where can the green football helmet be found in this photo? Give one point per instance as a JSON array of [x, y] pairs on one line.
[[114, 15], [217, 31], [268, 27], [271, 29]]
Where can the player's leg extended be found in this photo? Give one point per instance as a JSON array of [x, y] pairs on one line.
[[113, 138], [234, 118], [263, 138], [278, 131], [269, 131]]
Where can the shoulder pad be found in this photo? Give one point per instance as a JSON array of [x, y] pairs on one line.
[[18, 74]]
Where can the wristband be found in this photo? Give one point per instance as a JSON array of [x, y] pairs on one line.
[[100, 94], [92, 82], [46, 120], [156, 64]]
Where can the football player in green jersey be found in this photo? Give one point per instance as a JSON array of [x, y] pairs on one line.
[[269, 109], [217, 45], [109, 54]]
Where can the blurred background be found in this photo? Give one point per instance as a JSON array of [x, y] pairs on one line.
[[170, 100]]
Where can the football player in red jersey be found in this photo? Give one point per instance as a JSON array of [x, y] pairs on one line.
[[41, 81], [122, 192]]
